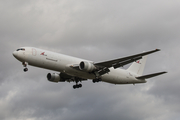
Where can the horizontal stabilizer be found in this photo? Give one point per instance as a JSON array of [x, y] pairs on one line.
[[150, 75]]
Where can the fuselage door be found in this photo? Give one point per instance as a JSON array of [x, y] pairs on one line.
[[34, 52]]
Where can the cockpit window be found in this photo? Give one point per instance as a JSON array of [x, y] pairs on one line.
[[20, 49]]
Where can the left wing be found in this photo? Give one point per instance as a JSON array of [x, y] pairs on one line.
[[124, 61], [103, 67]]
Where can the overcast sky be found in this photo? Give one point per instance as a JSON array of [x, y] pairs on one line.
[[96, 30]]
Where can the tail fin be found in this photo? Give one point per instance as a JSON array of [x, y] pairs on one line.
[[138, 66]]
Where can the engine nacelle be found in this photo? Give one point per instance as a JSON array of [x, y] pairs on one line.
[[54, 77], [86, 66]]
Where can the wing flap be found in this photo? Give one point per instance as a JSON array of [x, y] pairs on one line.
[[150, 75]]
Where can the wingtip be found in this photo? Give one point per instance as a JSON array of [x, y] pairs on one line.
[[158, 49], [164, 72]]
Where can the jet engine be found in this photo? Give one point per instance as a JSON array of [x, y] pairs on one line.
[[54, 77], [86, 66]]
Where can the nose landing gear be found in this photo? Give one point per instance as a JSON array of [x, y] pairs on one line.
[[25, 65]]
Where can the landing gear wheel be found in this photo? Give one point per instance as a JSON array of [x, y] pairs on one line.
[[94, 81], [74, 86], [80, 85], [77, 86], [25, 69]]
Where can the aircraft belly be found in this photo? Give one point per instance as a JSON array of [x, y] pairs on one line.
[[78, 73]]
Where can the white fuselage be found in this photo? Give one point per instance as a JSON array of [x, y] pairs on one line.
[[62, 63]]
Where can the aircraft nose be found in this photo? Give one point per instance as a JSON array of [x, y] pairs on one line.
[[15, 54]]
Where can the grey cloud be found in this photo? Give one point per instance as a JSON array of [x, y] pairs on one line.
[[96, 30]]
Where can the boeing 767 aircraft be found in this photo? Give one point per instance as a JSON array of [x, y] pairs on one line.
[[72, 69]]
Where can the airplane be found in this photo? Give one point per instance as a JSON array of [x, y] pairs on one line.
[[72, 69]]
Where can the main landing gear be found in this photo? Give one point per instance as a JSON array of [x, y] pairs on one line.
[[25, 65], [77, 85], [96, 80]]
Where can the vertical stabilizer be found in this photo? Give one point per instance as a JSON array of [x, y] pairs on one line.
[[138, 66]]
